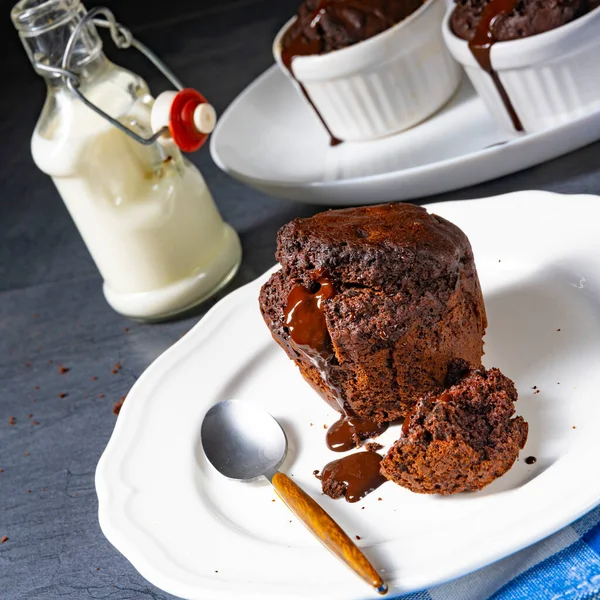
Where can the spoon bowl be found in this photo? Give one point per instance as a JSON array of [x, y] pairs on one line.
[[241, 441]]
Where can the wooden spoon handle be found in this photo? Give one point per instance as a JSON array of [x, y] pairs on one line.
[[326, 530]]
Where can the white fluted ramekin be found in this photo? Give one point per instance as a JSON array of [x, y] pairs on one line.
[[551, 78], [384, 84]]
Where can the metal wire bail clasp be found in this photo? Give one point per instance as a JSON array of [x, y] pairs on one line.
[[122, 39]]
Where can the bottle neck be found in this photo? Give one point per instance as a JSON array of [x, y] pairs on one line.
[[86, 73], [45, 27]]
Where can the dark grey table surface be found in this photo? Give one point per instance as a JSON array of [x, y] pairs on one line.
[[52, 311]]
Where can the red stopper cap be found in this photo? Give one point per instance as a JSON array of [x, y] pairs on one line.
[[181, 121]]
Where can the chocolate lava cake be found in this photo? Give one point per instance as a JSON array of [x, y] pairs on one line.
[[526, 18], [335, 24], [460, 440], [375, 305]]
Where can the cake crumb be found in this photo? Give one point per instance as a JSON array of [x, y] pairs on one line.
[[36, 316], [534, 387], [1, 470], [34, 422], [358, 537], [324, 426], [94, 378], [126, 329], [28, 364], [37, 387], [574, 427], [30, 416], [311, 424], [100, 395], [116, 368], [117, 406], [29, 491], [63, 395], [12, 421], [62, 369], [216, 571], [558, 330], [4, 539], [373, 447], [363, 508], [26, 453], [97, 568], [273, 500], [379, 499]]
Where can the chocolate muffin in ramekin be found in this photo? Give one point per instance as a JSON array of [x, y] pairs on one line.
[[533, 62], [369, 68]]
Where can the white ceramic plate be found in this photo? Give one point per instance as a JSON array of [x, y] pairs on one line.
[[196, 535], [269, 139]]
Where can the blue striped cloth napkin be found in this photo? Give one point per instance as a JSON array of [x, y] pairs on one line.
[[565, 566]]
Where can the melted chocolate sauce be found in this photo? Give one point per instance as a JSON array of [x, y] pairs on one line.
[[305, 319], [359, 473], [349, 431], [481, 46], [300, 46], [531, 460]]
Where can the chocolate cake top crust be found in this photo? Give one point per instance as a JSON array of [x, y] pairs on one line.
[[460, 440], [327, 25], [387, 247], [529, 17]]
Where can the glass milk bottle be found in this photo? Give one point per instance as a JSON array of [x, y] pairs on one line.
[[113, 152]]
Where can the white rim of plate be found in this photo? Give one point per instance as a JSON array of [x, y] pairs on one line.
[[429, 168]]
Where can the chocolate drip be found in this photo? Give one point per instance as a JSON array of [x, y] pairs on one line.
[[301, 46], [531, 460], [352, 476], [481, 46], [350, 431], [304, 319]]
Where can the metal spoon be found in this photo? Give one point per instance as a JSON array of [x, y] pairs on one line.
[[244, 442]]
